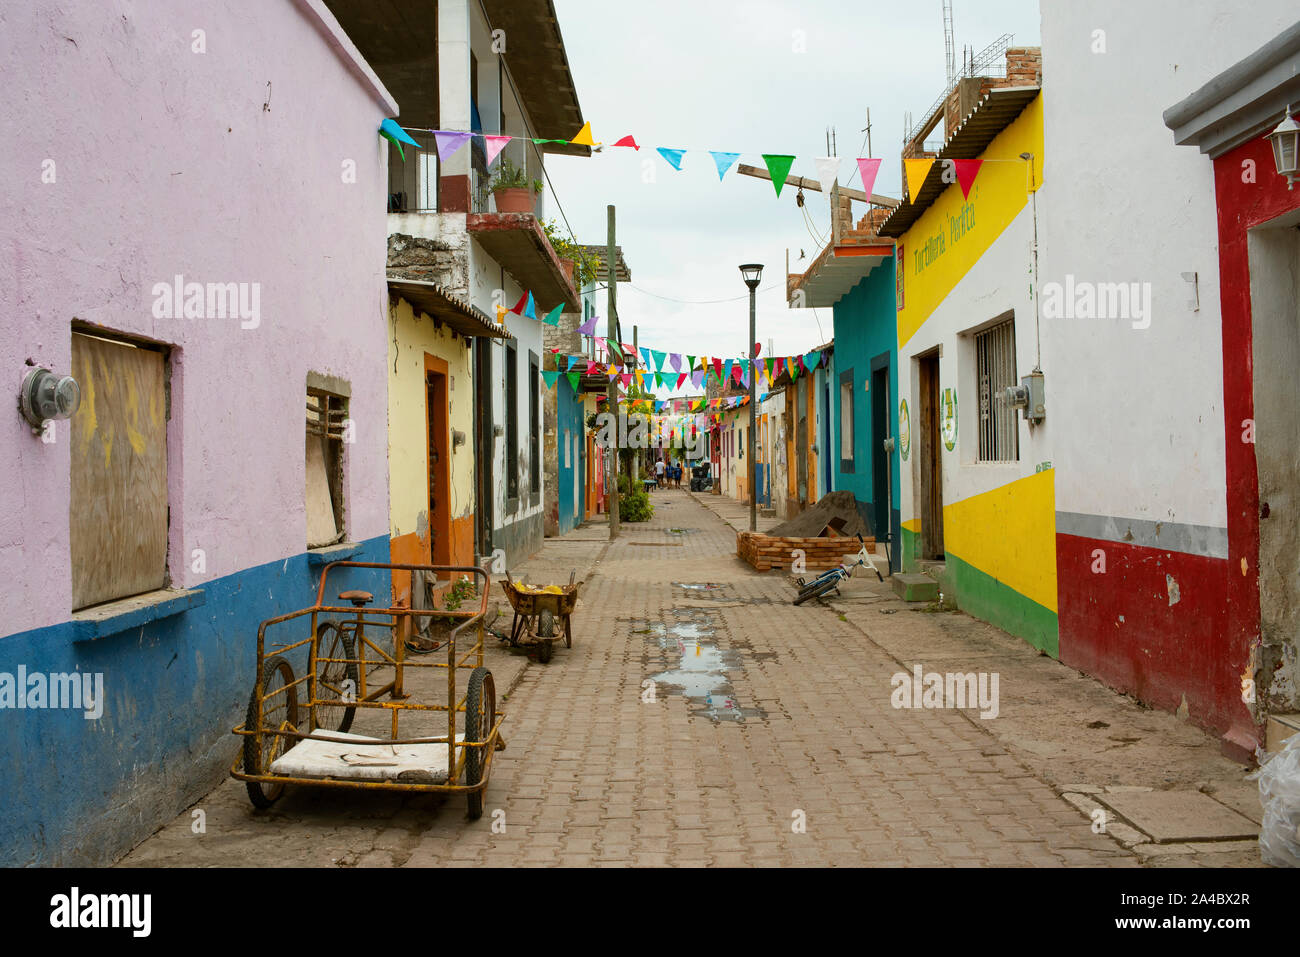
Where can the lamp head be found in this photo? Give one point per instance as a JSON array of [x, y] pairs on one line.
[[753, 274]]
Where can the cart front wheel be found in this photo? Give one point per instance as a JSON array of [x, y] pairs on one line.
[[336, 680], [480, 717], [279, 704], [545, 630]]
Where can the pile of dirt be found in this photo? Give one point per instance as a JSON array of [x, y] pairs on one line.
[[810, 522]]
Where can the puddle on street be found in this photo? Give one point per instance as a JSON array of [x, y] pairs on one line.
[[697, 586], [695, 667]]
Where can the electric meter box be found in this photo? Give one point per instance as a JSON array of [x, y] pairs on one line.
[[1036, 409]]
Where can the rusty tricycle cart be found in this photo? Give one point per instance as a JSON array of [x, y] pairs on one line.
[[297, 730], [543, 614]]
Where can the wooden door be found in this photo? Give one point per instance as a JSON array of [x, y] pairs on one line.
[[931, 463]]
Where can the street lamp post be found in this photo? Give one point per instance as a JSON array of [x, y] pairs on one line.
[[753, 273]]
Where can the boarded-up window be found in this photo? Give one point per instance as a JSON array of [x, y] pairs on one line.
[[118, 513], [326, 420]]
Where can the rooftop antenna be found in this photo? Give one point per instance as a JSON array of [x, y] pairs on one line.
[[948, 48], [867, 130]]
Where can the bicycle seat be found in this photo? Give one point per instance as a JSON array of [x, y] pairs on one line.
[[358, 598]]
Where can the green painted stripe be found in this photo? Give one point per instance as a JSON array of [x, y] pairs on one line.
[[988, 599]]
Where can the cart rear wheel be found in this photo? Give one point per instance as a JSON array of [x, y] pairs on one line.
[[480, 716], [568, 632], [336, 681], [261, 750], [545, 649]]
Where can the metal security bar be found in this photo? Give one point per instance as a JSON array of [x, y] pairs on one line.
[[995, 352]]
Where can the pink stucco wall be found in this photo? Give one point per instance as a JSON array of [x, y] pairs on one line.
[[167, 161]]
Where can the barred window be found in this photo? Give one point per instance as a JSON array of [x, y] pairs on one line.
[[995, 356]]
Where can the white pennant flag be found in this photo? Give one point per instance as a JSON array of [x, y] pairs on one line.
[[828, 171]]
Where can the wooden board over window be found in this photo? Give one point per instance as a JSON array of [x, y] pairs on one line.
[[118, 513]]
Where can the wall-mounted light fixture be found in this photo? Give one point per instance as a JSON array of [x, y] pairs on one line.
[[45, 395], [1286, 148]]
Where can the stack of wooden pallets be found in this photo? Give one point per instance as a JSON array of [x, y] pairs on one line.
[[766, 552]]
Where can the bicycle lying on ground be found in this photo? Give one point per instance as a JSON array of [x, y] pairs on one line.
[[830, 581]]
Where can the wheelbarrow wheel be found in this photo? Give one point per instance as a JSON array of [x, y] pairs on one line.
[[276, 673], [336, 681], [545, 631], [480, 716]]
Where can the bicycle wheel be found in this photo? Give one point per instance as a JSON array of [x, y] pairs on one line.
[[336, 680], [816, 591]]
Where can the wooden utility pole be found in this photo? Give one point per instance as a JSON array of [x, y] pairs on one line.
[[611, 469]]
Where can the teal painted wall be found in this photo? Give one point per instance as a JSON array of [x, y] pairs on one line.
[[866, 327]]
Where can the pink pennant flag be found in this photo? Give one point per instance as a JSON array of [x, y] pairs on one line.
[[449, 143], [868, 168], [494, 146], [737, 372], [591, 368], [627, 380]]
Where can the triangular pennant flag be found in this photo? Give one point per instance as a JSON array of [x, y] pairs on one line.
[[778, 165], [645, 356], [780, 366], [868, 168], [551, 377], [494, 145], [627, 380], [828, 171], [518, 308], [697, 377], [588, 328], [660, 358], [395, 133], [591, 367], [727, 366], [392, 139], [449, 143], [575, 379], [659, 379], [811, 361], [717, 367], [967, 170], [584, 136], [681, 380], [674, 157], [628, 141], [501, 317], [917, 171], [675, 360], [690, 362], [530, 310], [723, 161], [553, 317]]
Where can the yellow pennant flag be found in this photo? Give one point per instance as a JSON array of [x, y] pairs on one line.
[[917, 171], [584, 136]]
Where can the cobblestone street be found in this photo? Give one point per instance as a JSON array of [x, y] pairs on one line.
[[767, 738]]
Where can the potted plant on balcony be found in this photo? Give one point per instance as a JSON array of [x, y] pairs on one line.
[[513, 192]]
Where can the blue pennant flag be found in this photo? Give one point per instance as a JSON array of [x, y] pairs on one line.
[[723, 161], [674, 157]]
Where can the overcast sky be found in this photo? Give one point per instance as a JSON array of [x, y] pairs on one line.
[[718, 75]]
